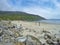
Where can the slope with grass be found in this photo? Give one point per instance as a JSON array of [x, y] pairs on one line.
[[15, 15]]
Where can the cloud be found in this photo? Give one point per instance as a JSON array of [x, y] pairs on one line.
[[45, 8], [38, 11], [3, 5], [6, 6]]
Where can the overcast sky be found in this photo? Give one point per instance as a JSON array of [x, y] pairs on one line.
[[49, 9]]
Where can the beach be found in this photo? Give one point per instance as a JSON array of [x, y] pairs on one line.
[[38, 31], [37, 27]]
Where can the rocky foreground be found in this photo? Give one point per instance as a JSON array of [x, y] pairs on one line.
[[29, 33]]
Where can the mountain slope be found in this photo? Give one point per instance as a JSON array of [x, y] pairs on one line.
[[15, 15]]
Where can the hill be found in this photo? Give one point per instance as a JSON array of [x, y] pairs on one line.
[[16, 15]]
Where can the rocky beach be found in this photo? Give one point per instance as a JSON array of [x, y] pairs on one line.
[[44, 33]]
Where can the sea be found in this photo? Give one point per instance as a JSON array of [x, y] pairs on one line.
[[52, 21]]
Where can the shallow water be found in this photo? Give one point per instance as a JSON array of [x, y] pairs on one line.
[[52, 21]]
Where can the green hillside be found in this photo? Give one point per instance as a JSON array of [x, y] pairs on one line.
[[15, 15]]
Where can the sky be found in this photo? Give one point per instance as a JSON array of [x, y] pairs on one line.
[[49, 9]]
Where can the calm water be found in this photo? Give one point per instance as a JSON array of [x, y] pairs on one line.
[[52, 21]]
